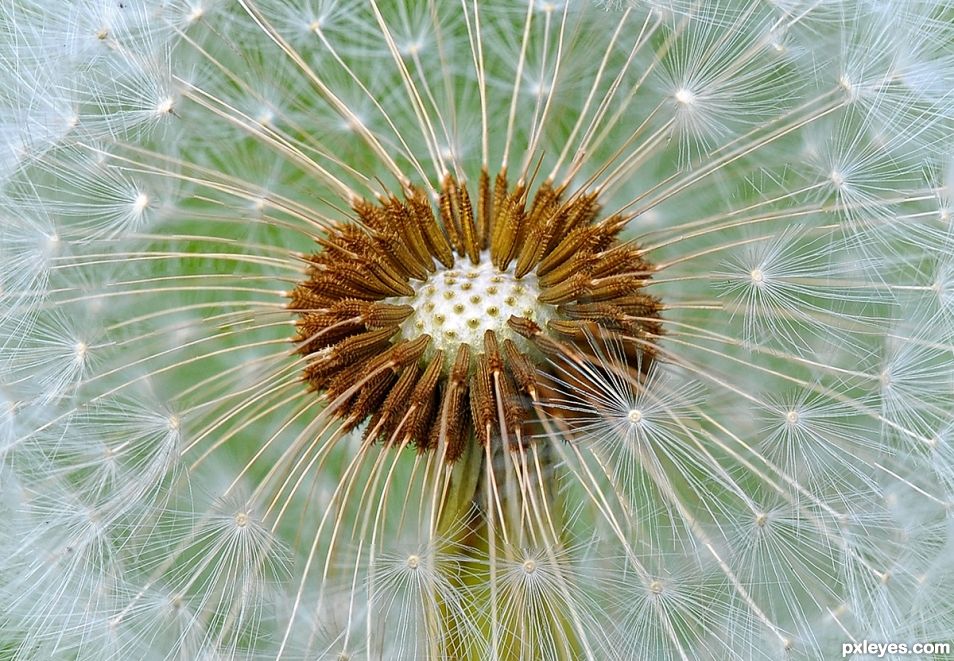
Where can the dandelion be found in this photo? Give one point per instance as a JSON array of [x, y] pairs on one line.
[[482, 330]]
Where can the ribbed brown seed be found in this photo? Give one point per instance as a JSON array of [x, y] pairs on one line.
[[542, 221], [386, 264], [500, 197], [524, 373], [357, 346], [526, 258], [346, 309], [389, 241], [532, 331], [331, 285], [581, 261], [401, 224], [385, 421], [380, 315], [434, 235], [350, 246], [492, 352], [461, 368], [620, 260], [509, 238], [566, 248], [544, 201], [513, 408], [614, 286], [347, 242], [581, 211], [572, 328], [365, 277], [587, 239], [451, 420], [468, 225], [344, 318], [501, 388], [423, 402], [379, 268], [385, 249], [336, 360], [446, 203], [361, 311], [369, 398], [524, 327], [408, 351], [482, 405], [302, 298], [595, 311], [324, 376], [357, 277], [569, 289], [314, 334], [377, 218], [615, 317], [341, 380], [318, 373], [639, 305], [484, 209]]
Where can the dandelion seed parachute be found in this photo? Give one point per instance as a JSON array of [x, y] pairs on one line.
[[243, 380]]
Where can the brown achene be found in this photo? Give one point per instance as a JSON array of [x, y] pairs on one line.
[[369, 362]]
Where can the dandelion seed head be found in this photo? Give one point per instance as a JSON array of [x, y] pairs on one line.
[[497, 286], [80, 349], [685, 96], [339, 329], [166, 106], [837, 179], [195, 13], [851, 90], [140, 203], [265, 117], [412, 48]]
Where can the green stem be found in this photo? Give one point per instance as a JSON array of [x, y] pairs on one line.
[[471, 524]]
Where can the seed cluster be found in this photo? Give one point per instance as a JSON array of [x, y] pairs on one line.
[[376, 356]]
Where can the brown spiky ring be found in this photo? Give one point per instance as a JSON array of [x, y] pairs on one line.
[[441, 327]]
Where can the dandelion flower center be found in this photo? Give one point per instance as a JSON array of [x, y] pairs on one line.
[[685, 96], [432, 318]]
